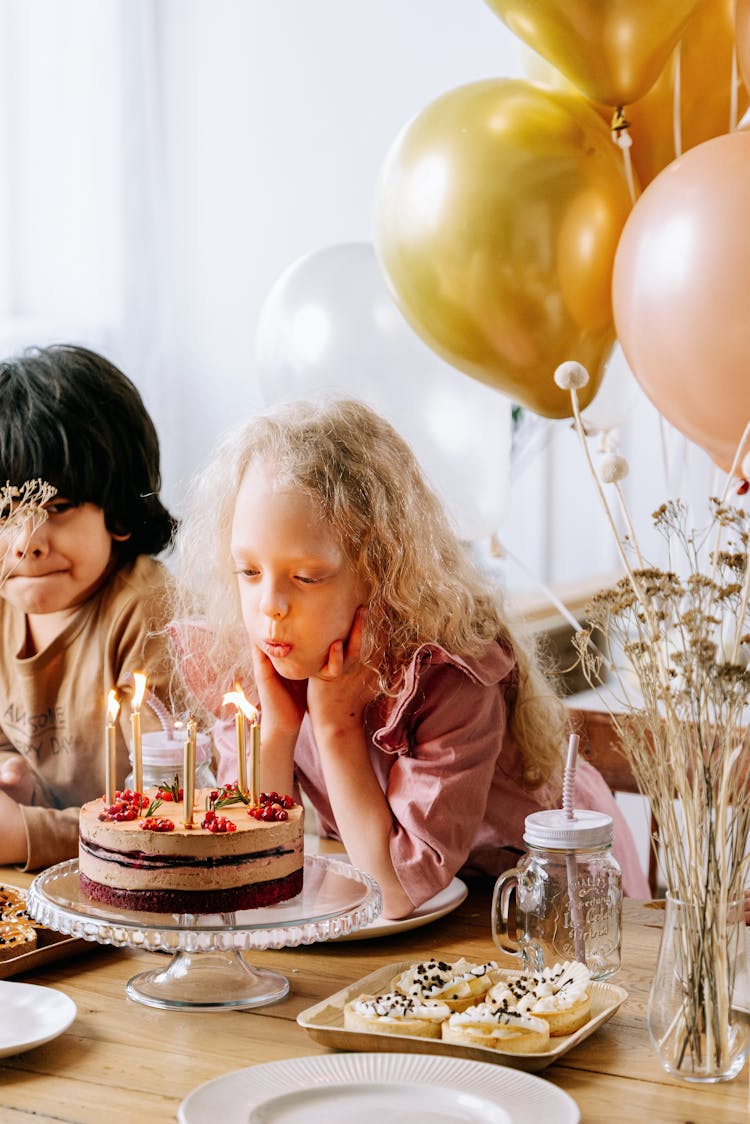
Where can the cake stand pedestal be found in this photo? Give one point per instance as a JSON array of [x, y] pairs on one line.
[[208, 971]]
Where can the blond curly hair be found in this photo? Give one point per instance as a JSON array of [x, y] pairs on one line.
[[394, 530]]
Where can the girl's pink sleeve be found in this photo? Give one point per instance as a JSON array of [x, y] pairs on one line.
[[226, 750], [438, 786], [190, 641]]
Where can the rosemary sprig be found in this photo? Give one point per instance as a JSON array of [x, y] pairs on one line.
[[227, 796], [173, 789]]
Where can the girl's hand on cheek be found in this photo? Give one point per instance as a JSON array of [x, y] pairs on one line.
[[283, 701], [341, 690]]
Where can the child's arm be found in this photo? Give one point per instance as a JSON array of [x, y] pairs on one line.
[[283, 704], [336, 701], [13, 844]]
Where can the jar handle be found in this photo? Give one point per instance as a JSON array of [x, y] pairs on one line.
[[505, 890]]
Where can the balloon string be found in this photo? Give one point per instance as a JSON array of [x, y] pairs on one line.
[[677, 101], [501, 551], [739, 454], [664, 453], [620, 129]]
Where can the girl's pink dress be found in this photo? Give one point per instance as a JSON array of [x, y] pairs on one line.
[[452, 774]]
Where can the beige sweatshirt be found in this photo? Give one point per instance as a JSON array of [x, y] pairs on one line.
[[53, 704]]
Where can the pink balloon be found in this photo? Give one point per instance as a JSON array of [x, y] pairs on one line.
[[680, 293]]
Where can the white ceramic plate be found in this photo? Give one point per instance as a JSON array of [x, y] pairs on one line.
[[368, 1088], [31, 1016], [438, 906]]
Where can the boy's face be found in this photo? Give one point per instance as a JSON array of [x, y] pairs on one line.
[[298, 590], [60, 564]]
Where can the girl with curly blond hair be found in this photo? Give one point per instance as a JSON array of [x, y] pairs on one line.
[[319, 570]]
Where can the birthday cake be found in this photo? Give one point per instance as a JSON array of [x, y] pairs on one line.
[[138, 854]]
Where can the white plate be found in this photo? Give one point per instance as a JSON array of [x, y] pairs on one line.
[[31, 1016], [340, 1088], [442, 903]]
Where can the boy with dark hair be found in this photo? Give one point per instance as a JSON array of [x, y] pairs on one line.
[[82, 601]]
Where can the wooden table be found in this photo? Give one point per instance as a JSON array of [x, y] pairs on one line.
[[121, 1061]]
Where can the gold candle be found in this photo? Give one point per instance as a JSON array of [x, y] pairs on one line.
[[244, 710], [188, 780], [255, 761], [239, 725], [110, 747], [136, 746]]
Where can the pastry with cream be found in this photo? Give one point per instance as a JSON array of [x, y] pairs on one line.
[[12, 904], [16, 937], [497, 1027], [560, 995], [395, 1013], [458, 985]]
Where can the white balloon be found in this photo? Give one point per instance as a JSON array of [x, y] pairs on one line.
[[617, 395], [329, 323]]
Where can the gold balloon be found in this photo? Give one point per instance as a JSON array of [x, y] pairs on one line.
[[498, 214], [611, 50], [702, 67], [742, 32]]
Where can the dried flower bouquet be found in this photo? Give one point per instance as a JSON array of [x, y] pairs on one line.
[[21, 505], [684, 632]]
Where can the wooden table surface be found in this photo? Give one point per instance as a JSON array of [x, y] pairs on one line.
[[121, 1061]]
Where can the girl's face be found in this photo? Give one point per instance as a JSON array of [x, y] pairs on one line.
[[60, 564], [298, 590]]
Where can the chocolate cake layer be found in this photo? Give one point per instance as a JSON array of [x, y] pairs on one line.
[[229, 900]]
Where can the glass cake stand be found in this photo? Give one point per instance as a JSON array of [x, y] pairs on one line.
[[208, 971]]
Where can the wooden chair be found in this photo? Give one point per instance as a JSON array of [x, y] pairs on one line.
[[600, 745]]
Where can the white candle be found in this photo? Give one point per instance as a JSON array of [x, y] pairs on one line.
[[110, 747], [135, 731], [188, 782]]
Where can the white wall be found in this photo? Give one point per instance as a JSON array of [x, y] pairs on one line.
[[279, 117]]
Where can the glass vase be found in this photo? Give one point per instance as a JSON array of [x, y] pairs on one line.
[[696, 1031]]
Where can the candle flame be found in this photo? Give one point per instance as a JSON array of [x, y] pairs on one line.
[[113, 706], [140, 690], [237, 697]]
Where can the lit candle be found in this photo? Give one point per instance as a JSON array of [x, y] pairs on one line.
[[136, 745], [245, 710], [110, 749], [188, 781], [239, 726], [255, 760]]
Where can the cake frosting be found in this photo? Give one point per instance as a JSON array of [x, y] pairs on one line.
[[233, 857]]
